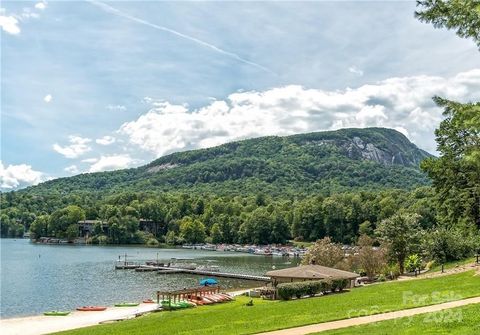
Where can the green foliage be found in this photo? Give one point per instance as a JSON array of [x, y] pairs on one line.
[[460, 15], [193, 231], [413, 263], [403, 234], [287, 291], [456, 173], [451, 244], [324, 252]]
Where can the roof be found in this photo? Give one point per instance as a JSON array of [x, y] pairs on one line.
[[312, 272]]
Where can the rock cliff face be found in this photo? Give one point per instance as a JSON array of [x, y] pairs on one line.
[[381, 145], [358, 147]]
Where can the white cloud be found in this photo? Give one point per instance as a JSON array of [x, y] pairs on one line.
[[401, 103], [73, 169], [9, 24], [47, 98], [112, 162], [41, 5], [89, 160], [105, 140], [355, 70], [116, 107], [78, 146], [16, 176]]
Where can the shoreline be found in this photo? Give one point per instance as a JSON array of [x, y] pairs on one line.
[[41, 324]]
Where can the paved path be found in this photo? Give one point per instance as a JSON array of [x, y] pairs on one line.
[[320, 327]]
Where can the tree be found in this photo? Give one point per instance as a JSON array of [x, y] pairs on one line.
[[72, 232], [456, 173], [61, 219], [371, 259], [461, 15], [193, 231], [402, 233], [39, 227], [324, 252], [216, 234]]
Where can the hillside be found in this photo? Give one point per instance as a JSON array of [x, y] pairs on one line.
[[321, 162]]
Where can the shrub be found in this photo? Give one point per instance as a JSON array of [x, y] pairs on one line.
[[152, 242], [287, 291], [339, 284]]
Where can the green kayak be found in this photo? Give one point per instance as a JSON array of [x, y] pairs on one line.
[[56, 313], [175, 305], [126, 304]]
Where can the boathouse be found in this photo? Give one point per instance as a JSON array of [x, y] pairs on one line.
[[310, 272]]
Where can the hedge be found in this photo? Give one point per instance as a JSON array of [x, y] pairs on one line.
[[287, 291]]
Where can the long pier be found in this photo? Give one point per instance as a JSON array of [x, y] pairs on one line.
[[170, 270]]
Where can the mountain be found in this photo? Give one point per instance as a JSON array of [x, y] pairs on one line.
[[320, 162]]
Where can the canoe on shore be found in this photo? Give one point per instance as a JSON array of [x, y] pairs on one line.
[[56, 313], [126, 304], [148, 301], [91, 308]]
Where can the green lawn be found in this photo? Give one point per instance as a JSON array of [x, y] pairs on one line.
[[235, 318], [461, 321]]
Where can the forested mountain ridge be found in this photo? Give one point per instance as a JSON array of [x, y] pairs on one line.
[[320, 162]]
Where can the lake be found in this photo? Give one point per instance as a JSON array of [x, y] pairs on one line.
[[39, 277]]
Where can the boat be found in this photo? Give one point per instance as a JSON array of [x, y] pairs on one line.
[[91, 308], [148, 301], [126, 304], [57, 313]]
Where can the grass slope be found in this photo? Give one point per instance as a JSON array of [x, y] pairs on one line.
[[235, 318], [460, 321]]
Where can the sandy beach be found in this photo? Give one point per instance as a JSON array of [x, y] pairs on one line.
[[35, 325]]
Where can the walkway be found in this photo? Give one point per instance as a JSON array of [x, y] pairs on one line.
[[320, 327]]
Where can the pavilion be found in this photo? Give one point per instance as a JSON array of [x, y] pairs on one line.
[[310, 272]]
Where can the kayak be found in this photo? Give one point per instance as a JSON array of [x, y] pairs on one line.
[[148, 301], [56, 313], [126, 304], [91, 308]]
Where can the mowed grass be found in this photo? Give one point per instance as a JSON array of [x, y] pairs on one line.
[[461, 321], [236, 318]]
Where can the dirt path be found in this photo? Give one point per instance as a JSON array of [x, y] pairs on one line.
[[458, 269], [320, 327]]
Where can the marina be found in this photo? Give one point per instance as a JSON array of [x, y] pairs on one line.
[[43, 277]]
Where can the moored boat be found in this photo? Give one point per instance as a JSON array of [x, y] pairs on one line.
[[57, 313], [91, 308], [126, 304]]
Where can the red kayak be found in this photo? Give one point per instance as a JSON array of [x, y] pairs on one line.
[[148, 301], [91, 308]]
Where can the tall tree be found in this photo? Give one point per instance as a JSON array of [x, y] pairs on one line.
[[456, 173], [460, 15], [402, 234]]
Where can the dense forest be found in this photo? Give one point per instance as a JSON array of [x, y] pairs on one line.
[[264, 190]]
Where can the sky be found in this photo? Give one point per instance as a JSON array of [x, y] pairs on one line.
[[91, 86]]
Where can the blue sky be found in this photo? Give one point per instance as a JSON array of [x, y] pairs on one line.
[[90, 86]]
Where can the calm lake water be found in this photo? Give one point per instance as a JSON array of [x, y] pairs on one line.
[[36, 277]]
